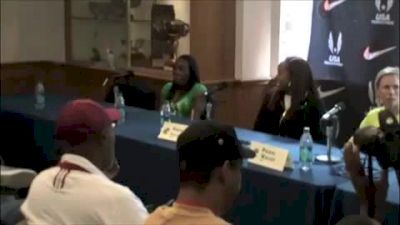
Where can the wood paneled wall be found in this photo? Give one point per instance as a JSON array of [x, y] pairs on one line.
[[212, 38], [62, 79], [237, 104]]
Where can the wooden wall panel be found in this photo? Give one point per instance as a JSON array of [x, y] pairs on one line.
[[237, 104], [69, 80], [212, 38], [18, 78]]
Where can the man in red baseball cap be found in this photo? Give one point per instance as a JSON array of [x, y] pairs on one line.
[[80, 190]]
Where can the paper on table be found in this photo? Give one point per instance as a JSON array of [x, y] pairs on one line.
[[170, 131], [270, 156]]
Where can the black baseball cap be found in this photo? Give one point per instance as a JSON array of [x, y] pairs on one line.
[[205, 145]]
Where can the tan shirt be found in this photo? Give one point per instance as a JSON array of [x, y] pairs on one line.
[[180, 214], [57, 196]]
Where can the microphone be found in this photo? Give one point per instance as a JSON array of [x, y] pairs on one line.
[[206, 114], [335, 110], [105, 82]]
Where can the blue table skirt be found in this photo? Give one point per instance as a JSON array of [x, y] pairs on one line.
[[149, 167]]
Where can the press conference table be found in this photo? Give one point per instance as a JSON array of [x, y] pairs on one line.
[[149, 167]]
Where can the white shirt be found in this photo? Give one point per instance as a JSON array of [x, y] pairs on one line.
[[80, 197]]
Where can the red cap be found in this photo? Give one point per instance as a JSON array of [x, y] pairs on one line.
[[81, 118]]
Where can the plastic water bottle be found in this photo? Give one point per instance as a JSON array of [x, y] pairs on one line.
[[306, 146], [40, 99], [209, 106], [120, 105], [165, 112], [208, 110], [116, 92], [111, 58]]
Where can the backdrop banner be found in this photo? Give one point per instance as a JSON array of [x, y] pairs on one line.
[[351, 40]]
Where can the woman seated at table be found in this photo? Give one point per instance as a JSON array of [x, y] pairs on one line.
[[291, 102], [185, 88]]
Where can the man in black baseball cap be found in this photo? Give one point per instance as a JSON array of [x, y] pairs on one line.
[[210, 160]]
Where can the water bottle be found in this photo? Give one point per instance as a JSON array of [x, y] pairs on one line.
[[120, 105], [208, 106], [111, 58], [165, 113], [116, 92], [208, 110], [40, 100], [306, 146]]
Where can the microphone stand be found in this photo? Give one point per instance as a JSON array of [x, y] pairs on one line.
[[206, 111], [209, 106], [330, 135], [209, 97]]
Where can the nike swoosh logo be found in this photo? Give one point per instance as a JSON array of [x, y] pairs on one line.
[[325, 94], [329, 6], [372, 55]]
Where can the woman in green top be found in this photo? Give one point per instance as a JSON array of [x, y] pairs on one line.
[[185, 88]]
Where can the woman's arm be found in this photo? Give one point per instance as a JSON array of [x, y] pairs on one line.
[[199, 101], [165, 91], [269, 115]]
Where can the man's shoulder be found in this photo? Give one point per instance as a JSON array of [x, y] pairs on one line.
[[217, 221], [100, 183], [45, 175], [170, 215], [114, 189]]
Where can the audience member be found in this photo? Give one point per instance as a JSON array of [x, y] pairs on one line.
[[79, 190], [387, 91], [24, 151], [357, 220], [291, 103], [185, 88], [15, 180], [210, 160], [12, 180]]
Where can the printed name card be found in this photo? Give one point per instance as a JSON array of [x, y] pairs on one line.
[[171, 131], [270, 156]]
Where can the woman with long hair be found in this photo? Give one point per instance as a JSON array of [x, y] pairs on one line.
[[291, 102], [185, 88]]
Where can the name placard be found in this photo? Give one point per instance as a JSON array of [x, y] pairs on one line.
[[270, 156], [170, 131]]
